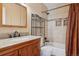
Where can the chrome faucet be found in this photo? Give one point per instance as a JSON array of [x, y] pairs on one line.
[[16, 34], [10, 36]]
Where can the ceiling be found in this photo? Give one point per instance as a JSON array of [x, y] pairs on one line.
[[54, 5]]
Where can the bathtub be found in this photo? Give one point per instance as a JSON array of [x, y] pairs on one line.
[[56, 49]]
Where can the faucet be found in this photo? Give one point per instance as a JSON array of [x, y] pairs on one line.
[[16, 34], [10, 36]]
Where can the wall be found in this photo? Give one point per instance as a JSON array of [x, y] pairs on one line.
[[37, 8], [31, 8], [57, 33]]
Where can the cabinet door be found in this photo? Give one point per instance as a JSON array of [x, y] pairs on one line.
[[13, 53], [30, 50], [23, 51], [36, 49], [26, 51]]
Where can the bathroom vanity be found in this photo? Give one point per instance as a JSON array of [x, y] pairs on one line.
[[20, 46]]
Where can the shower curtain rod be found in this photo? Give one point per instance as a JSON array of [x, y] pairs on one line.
[[56, 8]]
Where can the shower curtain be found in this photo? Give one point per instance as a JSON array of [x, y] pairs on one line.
[[72, 39]]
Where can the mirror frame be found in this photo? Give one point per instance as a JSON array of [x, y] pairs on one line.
[[2, 25]]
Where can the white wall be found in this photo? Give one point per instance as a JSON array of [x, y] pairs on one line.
[[37, 8], [57, 33], [59, 13]]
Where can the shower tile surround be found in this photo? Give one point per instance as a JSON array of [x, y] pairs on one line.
[[57, 33]]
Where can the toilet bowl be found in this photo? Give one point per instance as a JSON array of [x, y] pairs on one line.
[[46, 50]]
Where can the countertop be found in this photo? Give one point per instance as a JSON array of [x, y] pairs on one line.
[[16, 40]]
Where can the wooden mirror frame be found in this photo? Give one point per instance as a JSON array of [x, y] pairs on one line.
[[2, 25]]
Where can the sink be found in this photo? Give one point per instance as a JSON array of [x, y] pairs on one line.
[[15, 40]]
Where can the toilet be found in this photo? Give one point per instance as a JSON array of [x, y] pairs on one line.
[[46, 50]]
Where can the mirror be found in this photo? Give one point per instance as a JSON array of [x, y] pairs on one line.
[[14, 15]]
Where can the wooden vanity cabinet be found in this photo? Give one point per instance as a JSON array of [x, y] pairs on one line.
[[30, 48]]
